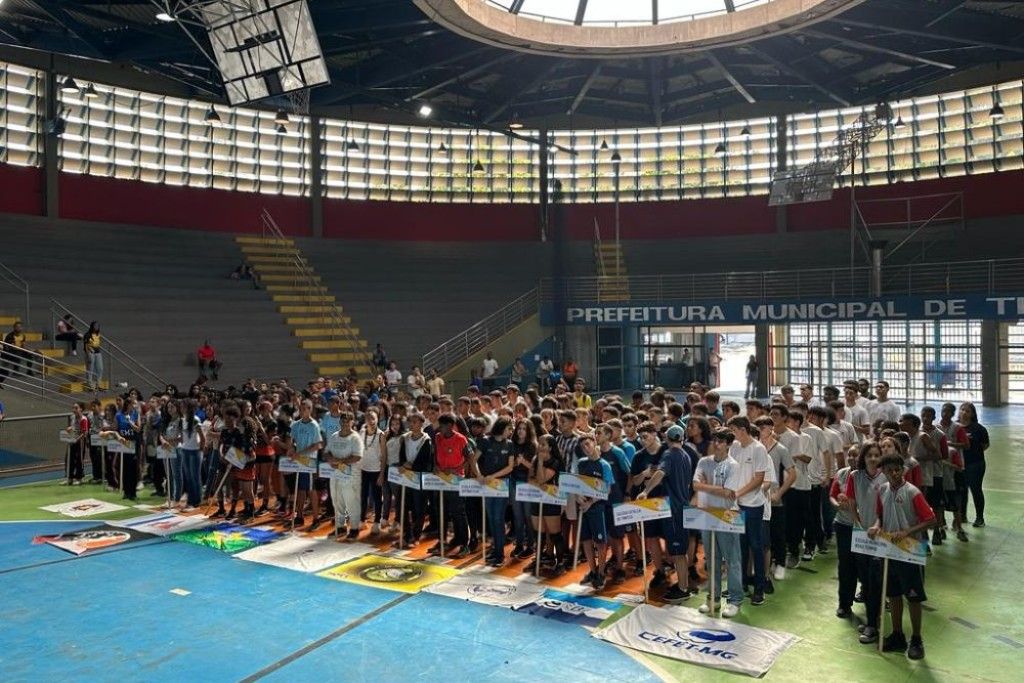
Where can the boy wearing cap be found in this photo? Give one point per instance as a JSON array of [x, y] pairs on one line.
[[675, 470]]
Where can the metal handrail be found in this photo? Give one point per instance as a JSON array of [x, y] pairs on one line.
[[114, 351], [306, 277], [477, 336], [31, 376], [989, 276], [21, 284]]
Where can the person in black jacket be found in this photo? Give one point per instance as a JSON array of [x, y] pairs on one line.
[[416, 454]]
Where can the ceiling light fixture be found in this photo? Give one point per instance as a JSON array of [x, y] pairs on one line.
[[604, 145], [478, 167], [426, 110], [442, 148], [281, 117], [616, 157], [899, 121], [165, 17], [90, 92], [281, 129], [69, 85], [515, 123], [996, 112], [212, 117], [720, 149], [746, 131], [351, 145]]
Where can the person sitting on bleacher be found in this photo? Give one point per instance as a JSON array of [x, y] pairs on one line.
[[207, 357]]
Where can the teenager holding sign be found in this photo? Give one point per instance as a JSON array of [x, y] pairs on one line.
[[495, 462], [345, 449], [544, 470]]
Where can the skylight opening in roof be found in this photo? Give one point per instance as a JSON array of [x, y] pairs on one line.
[[621, 12]]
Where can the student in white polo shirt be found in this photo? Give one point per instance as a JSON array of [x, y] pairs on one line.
[[754, 463], [797, 500]]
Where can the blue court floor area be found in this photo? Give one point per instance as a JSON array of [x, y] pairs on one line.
[[112, 617]]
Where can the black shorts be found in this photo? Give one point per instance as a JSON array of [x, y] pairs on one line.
[[609, 523], [264, 459], [549, 510], [653, 528], [906, 580], [677, 537], [935, 494], [592, 525]]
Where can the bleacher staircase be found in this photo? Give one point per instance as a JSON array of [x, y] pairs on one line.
[[613, 280], [316, 320]]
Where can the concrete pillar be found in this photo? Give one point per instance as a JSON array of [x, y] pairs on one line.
[[762, 351], [51, 159], [316, 172], [994, 363]]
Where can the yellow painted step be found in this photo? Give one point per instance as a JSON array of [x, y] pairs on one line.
[[334, 370], [310, 298], [336, 357], [79, 387], [52, 353], [324, 332], [283, 289], [278, 267], [318, 320], [271, 259], [331, 344], [33, 336], [308, 308], [286, 278], [249, 239], [65, 369], [8, 320], [268, 249]]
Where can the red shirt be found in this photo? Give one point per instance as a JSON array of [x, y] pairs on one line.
[[452, 452], [206, 352]]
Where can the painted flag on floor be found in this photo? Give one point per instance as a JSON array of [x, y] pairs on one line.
[[488, 590], [390, 573], [83, 508], [687, 635], [163, 523], [93, 540], [227, 537], [583, 610], [302, 554]]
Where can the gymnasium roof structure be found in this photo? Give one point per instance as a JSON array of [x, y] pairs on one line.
[[388, 57]]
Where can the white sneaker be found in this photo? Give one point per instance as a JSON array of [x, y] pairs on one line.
[[375, 529], [705, 608], [780, 572], [730, 610]]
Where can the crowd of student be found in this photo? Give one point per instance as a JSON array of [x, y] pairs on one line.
[[804, 470]]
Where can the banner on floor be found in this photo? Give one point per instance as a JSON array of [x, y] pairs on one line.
[[390, 573], [582, 485], [237, 458], [583, 610], [301, 554], [441, 481], [688, 636], [93, 539], [636, 511], [83, 508], [489, 590], [297, 464], [67, 437], [404, 477], [883, 545], [495, 488], [163, 523], [721, 520], [547, 494], [227, 537]]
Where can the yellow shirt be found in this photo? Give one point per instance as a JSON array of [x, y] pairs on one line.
[[582, 400], [92, 342]]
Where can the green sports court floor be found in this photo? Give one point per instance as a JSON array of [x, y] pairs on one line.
[[973, 630]]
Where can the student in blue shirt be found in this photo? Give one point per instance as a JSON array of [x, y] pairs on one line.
[[593, 526], [619, 463]]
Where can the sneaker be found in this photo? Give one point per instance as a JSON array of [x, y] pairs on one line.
[[937, 537], [730, 610], [462, 552], [497, 561], [299, 521], [869, 636], [694, 576], [523, 554], [807, 556], [658, 579], [384, 526], [844, 613], [705, 608], [219, 513], [859, 597], [769, 587], [792, 561], [757, 598], [676, 595], [861, 627], [780, 572], [916, 649], [618, 576], [978, 523], [474, 545], [961, 535], [352, 534], [823, 549], [375, 529], [188, 508], [598, 583], [589, 578], [65, 482], [894, 642]]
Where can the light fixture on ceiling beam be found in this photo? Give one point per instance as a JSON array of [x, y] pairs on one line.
[[604, 145], [281, 129], [515, 123], [425, 110], [720, 149], [746, 131], [616, 157], [90, 92], [281, 118], [442, 148], [69, 85], [478, 167], [212, 117], [996, 112], [165, 17]]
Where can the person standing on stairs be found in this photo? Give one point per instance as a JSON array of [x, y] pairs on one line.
[[93, 356], [13, 354], [380, 360]]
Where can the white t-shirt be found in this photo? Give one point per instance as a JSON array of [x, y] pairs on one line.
[[752, 458], [887, 411], [345, 447], [858, 417], [372, 444], [820, 443], [490, 368], [846, 432], [393, 377], [835, 444], [725, 473], [415, 383], [804, 446]]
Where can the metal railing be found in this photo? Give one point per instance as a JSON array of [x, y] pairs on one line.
[[989, 276], [30, 372], [30, 443], [120, 368], [19, 283], [305, 277], [477, 337]]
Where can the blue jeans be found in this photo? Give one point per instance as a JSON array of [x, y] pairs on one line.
[[755, 541], [727, 549], [177, 483], [520, 519], [190, 476], [496, 524]]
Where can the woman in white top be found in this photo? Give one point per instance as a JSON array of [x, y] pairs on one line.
[[372, 466], [392, 453], [416, 381]]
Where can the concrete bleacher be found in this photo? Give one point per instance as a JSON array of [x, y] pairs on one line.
[[412, 296], [157, 292]]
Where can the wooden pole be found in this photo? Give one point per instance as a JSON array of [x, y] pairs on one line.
[[217, 490], [295, 502], [442, 531], [540, 540], [483, 529], [881, 609], [401, 521], [712, 573], [643, 557], [579, 531]]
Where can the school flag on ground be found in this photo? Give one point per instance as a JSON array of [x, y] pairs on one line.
[[301, 554], [714, 519], [83, 508], [227, 537], [883, 545], [390, 573], [687, 635], [163, 523], [93, 540], [583, 610], [488, 590]]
